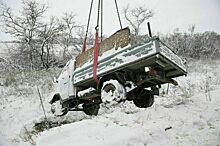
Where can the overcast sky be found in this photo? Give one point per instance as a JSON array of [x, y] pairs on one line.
[[168, 14]]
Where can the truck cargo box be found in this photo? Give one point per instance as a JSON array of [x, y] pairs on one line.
[[150, 53]]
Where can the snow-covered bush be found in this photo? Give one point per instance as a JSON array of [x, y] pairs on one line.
[[203, 76], [25, 82], [193, 45]]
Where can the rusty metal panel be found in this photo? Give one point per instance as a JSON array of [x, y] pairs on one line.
[[120, 39]]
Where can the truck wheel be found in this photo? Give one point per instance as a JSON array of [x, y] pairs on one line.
[[57, 109], [112, 90], [91, 108], [146, 99]]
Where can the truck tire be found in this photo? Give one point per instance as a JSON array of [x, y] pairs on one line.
[[91, 109], [57, 109], [112, 90], [144, 100]]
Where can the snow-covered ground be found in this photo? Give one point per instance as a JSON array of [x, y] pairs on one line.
[[15, 112], [188, 115], [194, 123]]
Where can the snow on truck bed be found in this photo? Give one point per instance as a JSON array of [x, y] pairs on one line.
[[146, 54], [116, 53]]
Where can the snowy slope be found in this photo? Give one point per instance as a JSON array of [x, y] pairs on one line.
[[190, 113], [15, 112], [194, 123]]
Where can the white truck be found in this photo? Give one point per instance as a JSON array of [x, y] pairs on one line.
[[139, 70]]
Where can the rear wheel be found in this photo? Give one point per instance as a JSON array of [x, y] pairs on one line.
[[91, 108], [144, 100], [112, 91]]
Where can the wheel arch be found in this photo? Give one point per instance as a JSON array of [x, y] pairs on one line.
[[114, 76], [56, 97]]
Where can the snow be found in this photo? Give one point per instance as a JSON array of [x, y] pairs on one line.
[[86, 91], [188, 115], [15, 112], [104, 55], [195, 123], [57, 108]]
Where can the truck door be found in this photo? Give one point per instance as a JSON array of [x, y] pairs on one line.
[[66, 87], [64, 82], [71, 88]]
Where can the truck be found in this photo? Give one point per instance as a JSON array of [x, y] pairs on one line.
[[137, 71]]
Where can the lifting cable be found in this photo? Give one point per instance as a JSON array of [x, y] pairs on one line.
[[87, 28], [101, 20], [98, 13], [90, 11], [96, 47], [119, 18]]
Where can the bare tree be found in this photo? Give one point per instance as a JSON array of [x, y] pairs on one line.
[[36, 37], [25, 27], [81, 36], [47, 35], [136, 17], [67, 39]]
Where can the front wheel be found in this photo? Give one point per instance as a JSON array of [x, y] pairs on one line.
[[57, 109]]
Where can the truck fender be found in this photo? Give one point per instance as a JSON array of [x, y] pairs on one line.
[[114, 76], [56, 97]]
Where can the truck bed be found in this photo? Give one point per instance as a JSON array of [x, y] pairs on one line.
[[135, 58]]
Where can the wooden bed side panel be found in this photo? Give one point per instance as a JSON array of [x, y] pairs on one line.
[[120, 39]]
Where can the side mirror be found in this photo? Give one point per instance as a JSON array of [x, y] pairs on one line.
[[55, 80]]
